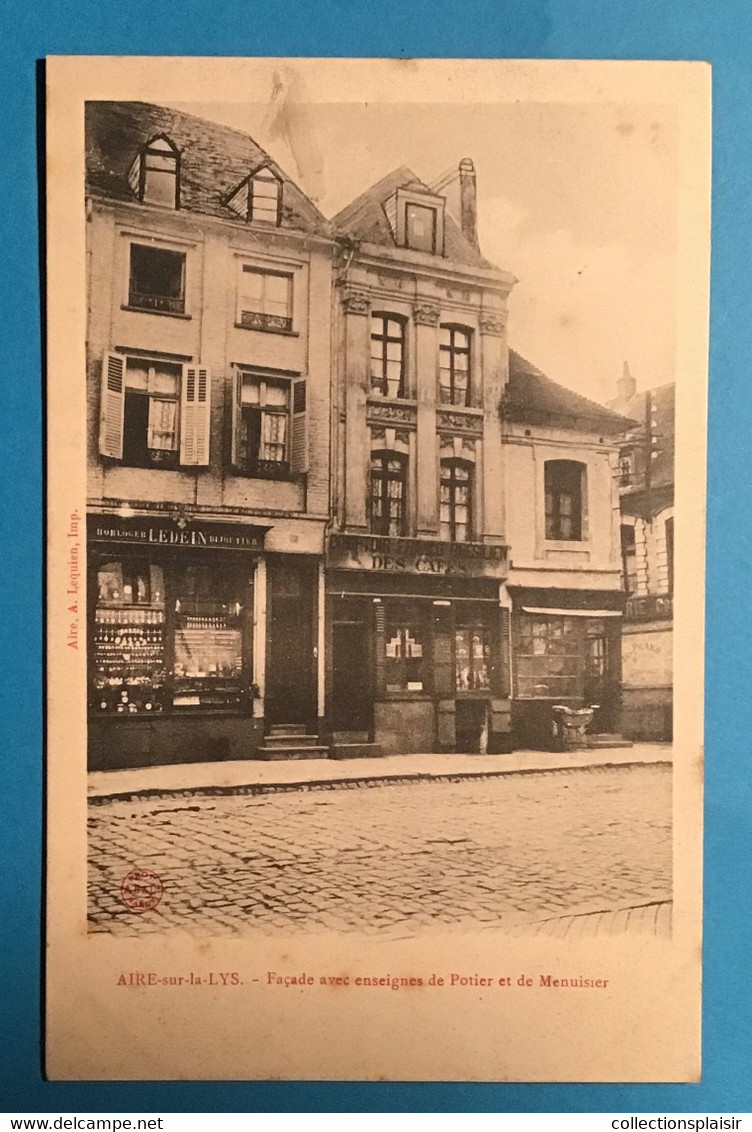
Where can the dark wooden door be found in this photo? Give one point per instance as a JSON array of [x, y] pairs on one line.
[[290, 663], [352, 693]]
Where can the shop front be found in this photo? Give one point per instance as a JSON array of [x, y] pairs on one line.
[[188, 621], [417, 645], [566, 652]]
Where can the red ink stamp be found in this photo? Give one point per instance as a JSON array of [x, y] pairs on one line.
[[141, 890]]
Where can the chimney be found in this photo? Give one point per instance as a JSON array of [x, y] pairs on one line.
[[626, 386], [468, 202]]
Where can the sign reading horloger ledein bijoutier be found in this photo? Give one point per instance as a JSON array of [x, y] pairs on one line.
[[417, 556], [175, 532]]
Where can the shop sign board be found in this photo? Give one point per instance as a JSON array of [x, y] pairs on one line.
[[417, 556], [168, 532]]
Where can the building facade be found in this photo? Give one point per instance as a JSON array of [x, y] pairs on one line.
[[564, 585], [208, 358], [646, 485], [330, 512], [418, 639]]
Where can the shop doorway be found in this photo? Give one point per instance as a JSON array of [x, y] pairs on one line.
[[471, 724], [290, 663], [352, 695]]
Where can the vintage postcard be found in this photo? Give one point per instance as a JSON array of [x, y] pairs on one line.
[[376, 403]]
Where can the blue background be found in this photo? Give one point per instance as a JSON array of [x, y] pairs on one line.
[[685, 29]]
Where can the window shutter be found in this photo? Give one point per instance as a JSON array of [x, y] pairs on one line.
[[112, 406], [195, 416], [236, 416], [299, 457]]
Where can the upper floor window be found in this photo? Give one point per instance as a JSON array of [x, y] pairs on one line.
[[155, 412], [264, 299], [456, 501], [156, 280], [454, 365], [421, 227], [259, 198], [155, 174], [629, 557], [626, 468], [388, 492], [269, 427], [564, 500], [387, 355]]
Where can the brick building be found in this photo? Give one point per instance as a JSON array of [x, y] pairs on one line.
[[646, 485], [208, 445]]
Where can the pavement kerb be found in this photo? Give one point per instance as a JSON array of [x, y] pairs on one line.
[[370, 778]]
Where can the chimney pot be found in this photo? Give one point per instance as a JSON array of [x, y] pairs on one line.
[[626, 386], [468, 202]]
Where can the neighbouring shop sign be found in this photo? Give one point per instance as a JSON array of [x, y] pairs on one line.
[[651, 607], [170, 532], [417, 556]]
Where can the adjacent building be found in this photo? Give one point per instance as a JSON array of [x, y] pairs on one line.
[[564, 587], [646, 484], [209, 364]]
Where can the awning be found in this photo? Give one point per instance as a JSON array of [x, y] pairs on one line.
[[546, 612]]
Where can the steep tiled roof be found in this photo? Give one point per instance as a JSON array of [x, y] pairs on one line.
[[533, 398], [365, 219], [214, 160]]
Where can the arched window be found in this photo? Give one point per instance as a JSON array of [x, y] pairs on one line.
[[456, 501], [155, 174], [454, 365], [258, 198], [388, 492], [387, 355], [565, 500]]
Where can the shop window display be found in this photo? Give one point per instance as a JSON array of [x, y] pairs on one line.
[[472, 661], [167, 638]]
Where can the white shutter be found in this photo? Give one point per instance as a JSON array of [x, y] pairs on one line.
[[237, 410], [112, 406], [299, 438], [195, 415]]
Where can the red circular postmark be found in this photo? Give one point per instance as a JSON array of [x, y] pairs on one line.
[[141, 890]]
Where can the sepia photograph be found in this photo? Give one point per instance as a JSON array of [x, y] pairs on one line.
[[364, 557]]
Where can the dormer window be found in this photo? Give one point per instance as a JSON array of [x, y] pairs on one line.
[[416, 218], [155, 174], [258, 198]]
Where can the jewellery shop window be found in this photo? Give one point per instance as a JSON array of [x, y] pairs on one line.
[[128, 646], [405, 647], [167, 639], [209, 620]]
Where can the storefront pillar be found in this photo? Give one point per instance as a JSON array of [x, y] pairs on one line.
[[321, 646], [259, 638]]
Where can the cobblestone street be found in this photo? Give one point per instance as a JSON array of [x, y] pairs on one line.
[[556, 852]]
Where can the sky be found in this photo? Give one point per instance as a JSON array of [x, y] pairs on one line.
[[577, 200]]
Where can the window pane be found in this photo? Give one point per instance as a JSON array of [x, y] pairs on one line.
[[420, 223], [162, 426], [159, 186], [277, 288], [253, 282]]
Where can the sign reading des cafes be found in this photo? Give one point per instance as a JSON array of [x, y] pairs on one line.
[[168, 532], [417, 556]]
